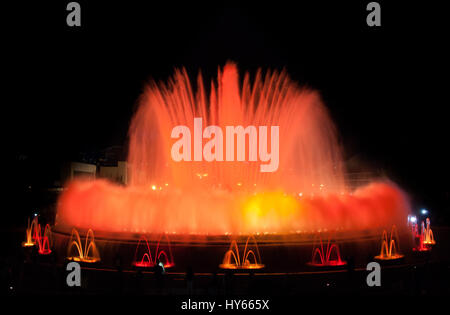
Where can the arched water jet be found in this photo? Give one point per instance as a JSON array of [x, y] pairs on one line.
[[244, 263], [148, 260], [89, 253], [44, 240], [325, 258], [31, 233], [390, 247], [427, 234], [425, 238]]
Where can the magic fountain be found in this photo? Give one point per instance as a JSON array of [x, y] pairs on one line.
[[309, 191]]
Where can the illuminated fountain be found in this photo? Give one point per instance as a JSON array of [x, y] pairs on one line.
[[88, 254], [44, 240], [308, 192], [426, 238], [390, 247], [148, 260], [249, 260], [326, 257], [427, 234], [34, 235], [31, 233]]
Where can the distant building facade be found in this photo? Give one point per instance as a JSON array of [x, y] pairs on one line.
[[109, 163], [118, 174], [78, 169]]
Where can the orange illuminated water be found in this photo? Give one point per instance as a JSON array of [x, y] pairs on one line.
[[31, 233], [308, 192], [425, 238], [76, 252], [251, 258], [390, 246]]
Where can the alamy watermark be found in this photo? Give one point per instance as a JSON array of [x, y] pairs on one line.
[[73, 278], [374, 17], [374, 277], [74, 16], [213, 149]]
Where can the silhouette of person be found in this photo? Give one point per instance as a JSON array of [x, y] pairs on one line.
[[159, 274]]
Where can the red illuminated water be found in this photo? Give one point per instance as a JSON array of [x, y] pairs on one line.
[[328, 256], [143, 255], [426, 238], [308, 192], [87, 254], [31, 233], [43, 240]]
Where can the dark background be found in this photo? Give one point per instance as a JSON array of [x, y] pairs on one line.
[[74, 90]]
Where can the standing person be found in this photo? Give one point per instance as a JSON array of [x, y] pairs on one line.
[[159, 274]]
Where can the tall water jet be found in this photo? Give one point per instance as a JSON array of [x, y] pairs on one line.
[[307, 192]]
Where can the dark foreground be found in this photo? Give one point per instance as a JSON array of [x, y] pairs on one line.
[[420, 274]]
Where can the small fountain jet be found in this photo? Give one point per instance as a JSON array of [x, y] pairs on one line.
[[148, 260], [390, 247], [35, 236], [427, 234], [426, 238], [44, 240], [88, 254], [232, 259], [31, 233], [325, 258]]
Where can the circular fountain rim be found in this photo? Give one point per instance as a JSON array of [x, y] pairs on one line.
[[270, 239]]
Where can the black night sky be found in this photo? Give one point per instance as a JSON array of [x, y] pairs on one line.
[[75, 89]]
